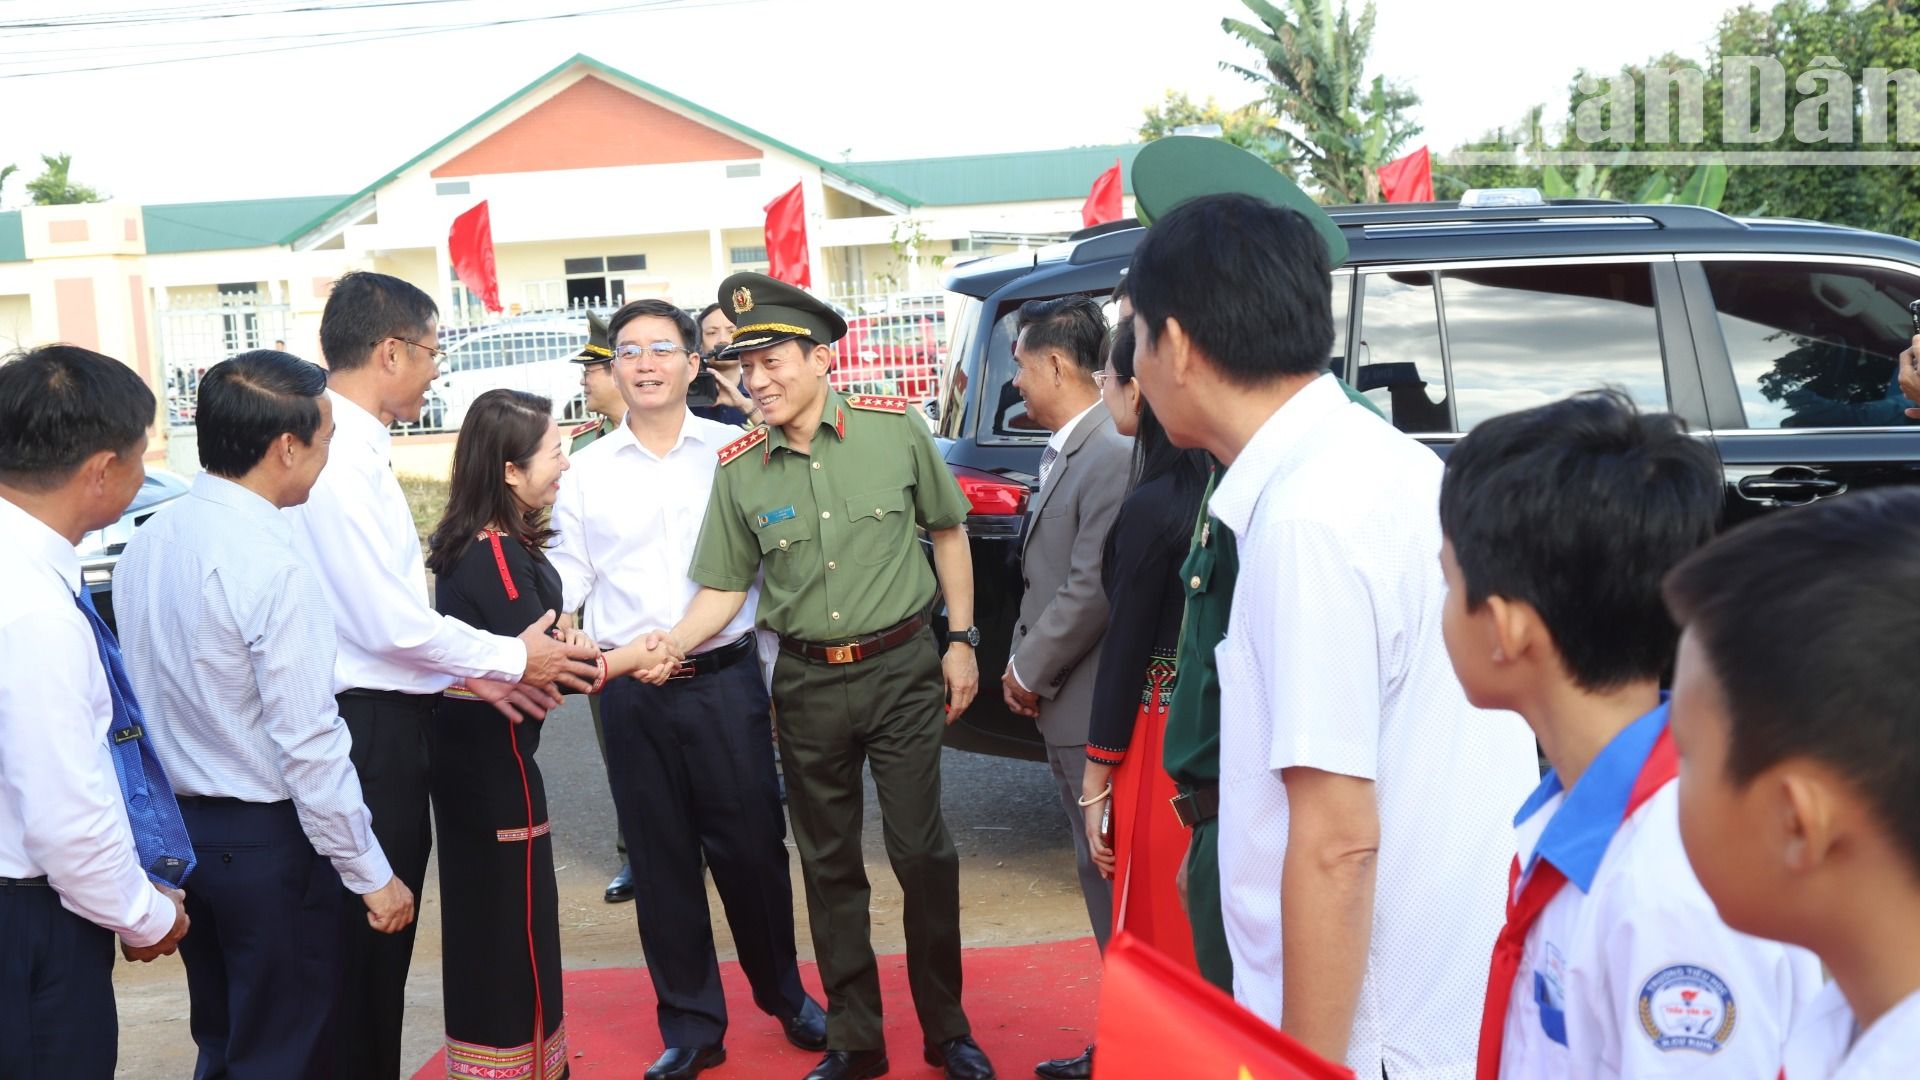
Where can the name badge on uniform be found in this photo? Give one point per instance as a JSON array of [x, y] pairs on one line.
[[774, 517]]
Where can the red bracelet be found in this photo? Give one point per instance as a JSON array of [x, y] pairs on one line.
[[600, 661]]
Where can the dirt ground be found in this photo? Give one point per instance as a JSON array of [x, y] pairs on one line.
[[1016, 886]]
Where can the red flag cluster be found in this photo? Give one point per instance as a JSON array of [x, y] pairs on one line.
[[470, 246], [1103, 202], [787, 239], [1408, 180]]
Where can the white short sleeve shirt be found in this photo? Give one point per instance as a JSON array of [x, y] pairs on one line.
[[1334, 660], [1629, 972], [1827, 1043]]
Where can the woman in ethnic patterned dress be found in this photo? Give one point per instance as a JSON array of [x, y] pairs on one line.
[[1141, 572], [499, 919]]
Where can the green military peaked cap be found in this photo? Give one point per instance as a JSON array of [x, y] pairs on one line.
[[767, 311], [1169, 171], [599, 348]]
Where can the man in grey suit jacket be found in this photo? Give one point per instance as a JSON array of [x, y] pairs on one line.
[[1063, 612]]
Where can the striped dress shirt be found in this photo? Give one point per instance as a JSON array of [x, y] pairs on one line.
[[230, 646]]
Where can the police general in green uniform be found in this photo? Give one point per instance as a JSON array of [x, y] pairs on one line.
[[826, 500]]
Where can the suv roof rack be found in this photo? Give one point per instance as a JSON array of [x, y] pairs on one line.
[[1665, 216]]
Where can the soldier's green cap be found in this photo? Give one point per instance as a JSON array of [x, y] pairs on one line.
[[767, 311], [1170, 171], [599, 348]]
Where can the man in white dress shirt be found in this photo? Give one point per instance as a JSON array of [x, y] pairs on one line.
[[73, 429], [1364, 803], [395, 653], [230, 646], [692, 780]]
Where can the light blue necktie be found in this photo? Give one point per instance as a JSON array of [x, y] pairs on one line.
[[159, 835]]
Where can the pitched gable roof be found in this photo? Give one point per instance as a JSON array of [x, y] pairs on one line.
[[217, 226], [617, 78]]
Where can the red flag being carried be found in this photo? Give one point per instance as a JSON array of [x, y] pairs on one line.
[[1408, 180], [1154, 1012], [1103, 202], [470, 245], [787, 239]]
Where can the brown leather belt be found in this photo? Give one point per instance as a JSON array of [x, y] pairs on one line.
[[847, 652], [1198, 806]]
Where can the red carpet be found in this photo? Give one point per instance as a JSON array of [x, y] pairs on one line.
[[1027, 1003]]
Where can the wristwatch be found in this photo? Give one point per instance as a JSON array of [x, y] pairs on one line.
[[969, 636]]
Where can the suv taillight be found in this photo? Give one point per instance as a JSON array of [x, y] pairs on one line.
[[991, 495]]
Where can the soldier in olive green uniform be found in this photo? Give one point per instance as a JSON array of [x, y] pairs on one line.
[[596, 382], [603, 398], [1166, 174], [825, 501]]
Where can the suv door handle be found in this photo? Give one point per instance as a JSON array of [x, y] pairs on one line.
[[1789, 486]]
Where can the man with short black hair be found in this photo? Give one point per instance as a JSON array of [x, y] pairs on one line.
[[732, 406], [687, 760], [230, 644], [1359, 791], [79, 861], [1063, 608], [396, 654]]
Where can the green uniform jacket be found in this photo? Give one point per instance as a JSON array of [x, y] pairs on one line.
[[584, 435], [834, 528]]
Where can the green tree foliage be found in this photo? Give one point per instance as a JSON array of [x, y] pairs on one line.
[[1249, 126], [1334, 126], [53, 187], [1825, 47]]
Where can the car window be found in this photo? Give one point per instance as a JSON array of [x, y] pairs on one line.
[[1399, 351], [1520, 336], [1342, 303], [1815, 344], [954, 396], [1005, 406]]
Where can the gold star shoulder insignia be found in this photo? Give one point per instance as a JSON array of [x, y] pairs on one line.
[[743, 444], [875, 403], [583, 429]]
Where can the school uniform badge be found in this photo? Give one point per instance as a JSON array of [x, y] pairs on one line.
[[1686, 1007]]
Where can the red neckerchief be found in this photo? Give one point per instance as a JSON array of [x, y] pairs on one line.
[[1661, 766]]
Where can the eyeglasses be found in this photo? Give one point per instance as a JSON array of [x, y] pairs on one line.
[[660, 350], [1100, 377], [437, 354]]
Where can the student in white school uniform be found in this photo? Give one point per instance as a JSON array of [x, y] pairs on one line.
[[1560, 522], [1363, 801], [1794, 712]]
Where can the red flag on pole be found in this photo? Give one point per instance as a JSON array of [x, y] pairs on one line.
[[1157, 1018], [1408, 180], [787, 239], [470, 245], [1103, 202]]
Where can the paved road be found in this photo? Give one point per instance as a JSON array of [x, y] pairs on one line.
[[1016, 883]]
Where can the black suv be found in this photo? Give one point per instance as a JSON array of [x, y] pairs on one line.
[[1774, 340]]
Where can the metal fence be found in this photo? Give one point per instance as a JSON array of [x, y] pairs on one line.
[[198, 330], [896, 344], [529, 351]]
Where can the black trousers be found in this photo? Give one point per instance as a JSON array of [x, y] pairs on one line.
[[390, 753], [57, 1017], [263, 968], [692, 781]]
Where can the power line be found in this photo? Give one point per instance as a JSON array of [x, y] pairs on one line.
[[251, 48]]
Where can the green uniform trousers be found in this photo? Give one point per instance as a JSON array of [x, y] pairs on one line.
[[886, 712], [1203, 906]]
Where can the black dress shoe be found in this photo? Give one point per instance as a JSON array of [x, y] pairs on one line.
[[1073, 1068], [850, 1065], [620, 889], [686, 1062], [962, 1057], [808, 1029]]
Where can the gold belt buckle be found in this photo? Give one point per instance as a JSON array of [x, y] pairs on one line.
[[840, 654]]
